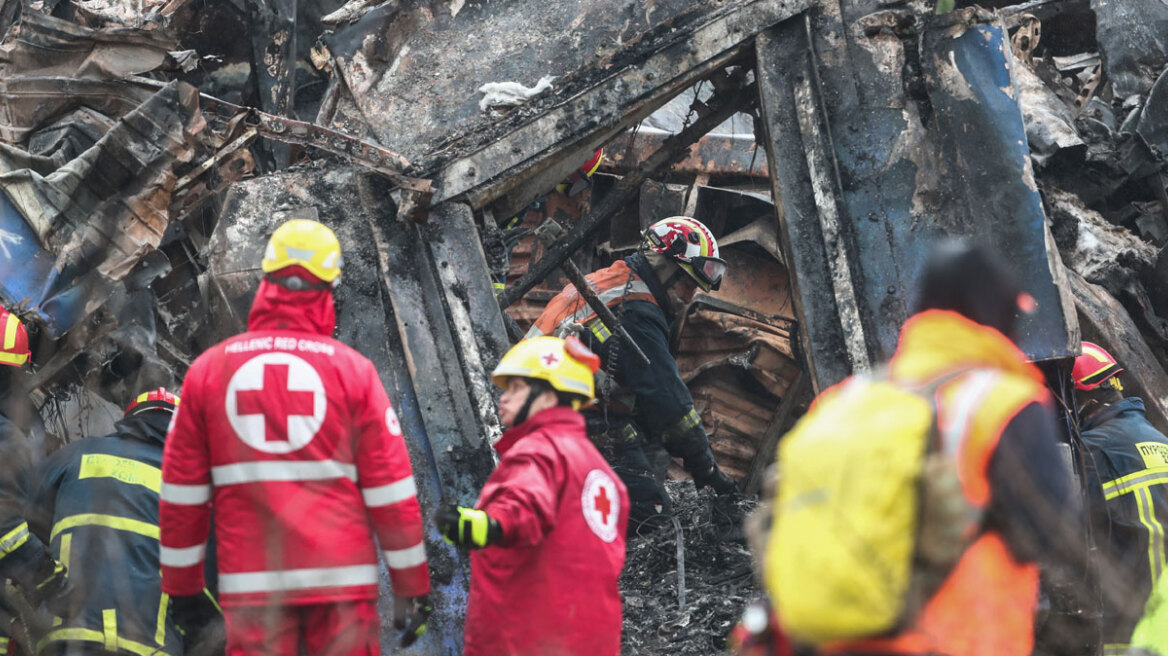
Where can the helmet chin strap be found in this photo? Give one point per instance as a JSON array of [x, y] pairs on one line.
[[534, 389]]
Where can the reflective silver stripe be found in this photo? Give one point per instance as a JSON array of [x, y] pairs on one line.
[[533, 332], [403, 558], [297, 579], [973, 392], [384, 495], [186, 495], [184, 557], [606, 297], [282, 470]]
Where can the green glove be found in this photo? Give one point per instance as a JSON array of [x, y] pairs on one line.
[[467, 527]]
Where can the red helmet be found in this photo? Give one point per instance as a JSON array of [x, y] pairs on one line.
[[14, 347], [1096, 367], [580, 178], [691, 245], [159, 399]]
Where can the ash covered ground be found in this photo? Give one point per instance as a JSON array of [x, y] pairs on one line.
[[718, 579]]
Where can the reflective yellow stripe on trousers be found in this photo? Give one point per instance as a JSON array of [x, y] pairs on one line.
[[1115, 649]]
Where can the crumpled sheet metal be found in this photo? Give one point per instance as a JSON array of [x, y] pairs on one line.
[[1050, 124], [74, 230], [1133, 37], [43, 46]]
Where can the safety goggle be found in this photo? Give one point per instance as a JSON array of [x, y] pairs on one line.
[[709, 270]]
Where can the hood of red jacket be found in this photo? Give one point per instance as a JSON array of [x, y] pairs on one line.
[[558, 420], [279, 308]]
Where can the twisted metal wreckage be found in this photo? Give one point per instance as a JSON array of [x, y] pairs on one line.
[[134, 208]]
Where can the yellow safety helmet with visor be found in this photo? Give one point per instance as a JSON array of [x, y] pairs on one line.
[[566, 364], [305, 243]]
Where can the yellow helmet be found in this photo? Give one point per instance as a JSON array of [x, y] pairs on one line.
[[566, 364], [306, 243]]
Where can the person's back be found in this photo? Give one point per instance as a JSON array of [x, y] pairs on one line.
[[1127, 501], [97, 508], [997, 421], [289, 436]]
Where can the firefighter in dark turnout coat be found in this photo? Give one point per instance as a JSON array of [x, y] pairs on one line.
[[97, 507]]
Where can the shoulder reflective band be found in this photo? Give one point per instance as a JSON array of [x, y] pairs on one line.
[[297, 579], [126, 470], [13, 539], [404, 558], [282, 470], [107, 521], [389, 494], [1135, 481]]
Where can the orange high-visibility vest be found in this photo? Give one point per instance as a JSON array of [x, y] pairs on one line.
[[609, 284], [987, 604]]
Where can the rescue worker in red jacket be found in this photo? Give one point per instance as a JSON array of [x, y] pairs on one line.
[[287, 435], [1007, 459], [549, 526], [651, 407]]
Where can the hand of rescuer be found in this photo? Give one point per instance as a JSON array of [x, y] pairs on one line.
[[410, 616], [52, 587], [467, 527], [195, 615]]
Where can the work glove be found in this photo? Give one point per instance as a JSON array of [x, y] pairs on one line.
[[51, 586], [716, 479], [410, 615], [196, 616], [467, 527]]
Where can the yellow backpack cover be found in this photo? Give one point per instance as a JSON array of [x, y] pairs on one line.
[[843, 557]]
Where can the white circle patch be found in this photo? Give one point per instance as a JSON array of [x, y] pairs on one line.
[[276, 402], [600, 501], [391, 422]]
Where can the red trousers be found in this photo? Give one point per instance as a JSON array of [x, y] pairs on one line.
[[341, 629]]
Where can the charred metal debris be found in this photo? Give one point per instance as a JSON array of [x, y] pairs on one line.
[[148, 148]]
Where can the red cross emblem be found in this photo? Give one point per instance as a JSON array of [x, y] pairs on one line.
[[550, 359], [275, 402], [602, 504]]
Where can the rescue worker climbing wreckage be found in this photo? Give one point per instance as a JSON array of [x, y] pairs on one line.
[[549, 527], [915, 503], [1127, 502], [647, 407], [96, 505], [288, 436], [24, 559]]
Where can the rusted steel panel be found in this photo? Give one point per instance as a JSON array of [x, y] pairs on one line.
[[715, 154]]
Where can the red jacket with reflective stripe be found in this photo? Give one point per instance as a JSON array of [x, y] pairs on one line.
[[291, 435], [550, 586]]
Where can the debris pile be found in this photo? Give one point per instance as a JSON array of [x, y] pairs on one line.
[[684, 599]]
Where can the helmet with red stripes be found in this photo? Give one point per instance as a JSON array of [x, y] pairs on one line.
[[1096, 367], [13, 340], [159, 399], [691, 245], [581, 178]]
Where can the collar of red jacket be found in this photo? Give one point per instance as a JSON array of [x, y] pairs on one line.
[[934, 342], [279, 308], [558, 419]]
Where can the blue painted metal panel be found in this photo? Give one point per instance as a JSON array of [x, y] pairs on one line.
[[926, 144], [29, 280]]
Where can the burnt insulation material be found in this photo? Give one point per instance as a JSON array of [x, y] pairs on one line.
[[718, 578]]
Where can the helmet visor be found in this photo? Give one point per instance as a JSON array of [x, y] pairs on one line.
[[709, 270]]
